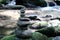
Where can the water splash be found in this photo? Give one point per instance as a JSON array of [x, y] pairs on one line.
[[52, 2], [11, 3], [47, 4], [50, 8], [55, 3]]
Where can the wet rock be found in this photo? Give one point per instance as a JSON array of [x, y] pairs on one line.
[[39, 25], [32, 17], [1, 36], [23, 34], [51, 4], [35, 36], [55, 18], [41, 3], [39, 36], [50, 32], [57, 2]]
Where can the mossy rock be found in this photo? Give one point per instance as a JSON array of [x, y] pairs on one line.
[[39, 25], [57, 30], [2, 1], [50, 31], [11, 37], [43, 23], [39, 36], [35, 36]]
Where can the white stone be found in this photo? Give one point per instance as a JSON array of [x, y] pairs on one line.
[[53, 23]]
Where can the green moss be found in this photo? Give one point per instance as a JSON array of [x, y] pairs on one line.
[[49, 31], [11, 37], [2, 1], [39, 36], [50, 38], [35, 36]]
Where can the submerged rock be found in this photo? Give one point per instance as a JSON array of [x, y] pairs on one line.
[[54, 38]]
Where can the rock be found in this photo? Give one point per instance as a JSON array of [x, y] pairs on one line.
[[53, 23], [39, 36], [51, 4], [39, 25], [35, 36], [41, 3], [57, 2], [50, 31], [55, 18], [1, 36], [32, 17]]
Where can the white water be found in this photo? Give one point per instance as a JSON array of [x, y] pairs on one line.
[[11, 3], [49, 8]]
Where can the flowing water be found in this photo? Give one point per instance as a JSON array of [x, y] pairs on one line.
[[55, 38], [50, 8], [47, 8], [11, 3]]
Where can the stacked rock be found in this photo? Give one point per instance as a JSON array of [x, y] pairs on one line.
[[23, 32]]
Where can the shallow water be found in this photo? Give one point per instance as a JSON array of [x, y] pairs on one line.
[[54, 8], [55, 38]]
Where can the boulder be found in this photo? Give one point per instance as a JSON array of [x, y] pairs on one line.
[[51, 4], [35, 36], [39, 25], [39, 36], [41, 3], [50, 31]]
